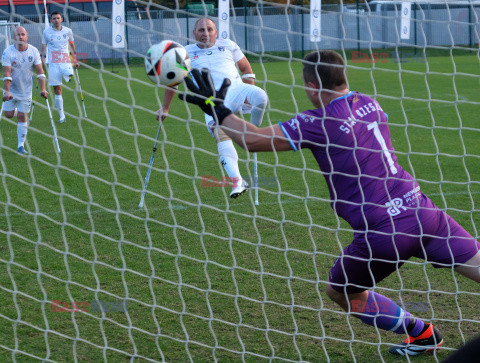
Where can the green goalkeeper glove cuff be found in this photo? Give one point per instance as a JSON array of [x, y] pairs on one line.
[[205, 96]]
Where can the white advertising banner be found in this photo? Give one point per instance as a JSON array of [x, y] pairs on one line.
[[224, 19], [315, 20], [118, 23], [406, 16]]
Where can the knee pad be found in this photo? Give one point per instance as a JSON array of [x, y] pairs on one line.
[[259, 104], [258, 97], [9, 114]]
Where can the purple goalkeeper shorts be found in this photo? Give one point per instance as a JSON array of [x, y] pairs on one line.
[[430, 234]]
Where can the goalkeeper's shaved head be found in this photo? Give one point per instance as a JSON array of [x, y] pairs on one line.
[[325, 69]]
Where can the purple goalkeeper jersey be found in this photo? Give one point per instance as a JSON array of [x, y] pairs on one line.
[[350, 140]]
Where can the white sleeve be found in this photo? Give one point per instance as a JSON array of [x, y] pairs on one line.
[[44, 37], [6, 59], [236, 52], [37, 60], [70, 35]]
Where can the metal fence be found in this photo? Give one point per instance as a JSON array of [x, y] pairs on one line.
[[274, 29]]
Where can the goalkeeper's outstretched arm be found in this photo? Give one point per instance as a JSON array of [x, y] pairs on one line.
[[253, 138], [245, 134]]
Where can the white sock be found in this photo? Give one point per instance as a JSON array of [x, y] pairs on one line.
[[229, 159], [22, 128], [59, 104]]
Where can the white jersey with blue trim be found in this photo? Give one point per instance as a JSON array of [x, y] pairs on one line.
[[57, 42], [22, 65], [220, 59]]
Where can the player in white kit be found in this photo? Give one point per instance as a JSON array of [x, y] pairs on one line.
[[58, 39], [222, 57], [18, 61]]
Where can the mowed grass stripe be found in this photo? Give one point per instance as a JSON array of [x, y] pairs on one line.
[[215, 296]]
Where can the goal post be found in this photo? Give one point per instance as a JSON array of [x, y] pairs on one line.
[[194, 275], [6, 33]]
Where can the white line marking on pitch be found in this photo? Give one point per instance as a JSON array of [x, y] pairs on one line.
[[183, 207]]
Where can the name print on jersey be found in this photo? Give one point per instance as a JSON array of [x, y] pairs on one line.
[[368, 108], [361, 112]]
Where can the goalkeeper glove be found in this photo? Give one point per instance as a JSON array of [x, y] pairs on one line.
[[205, 96]]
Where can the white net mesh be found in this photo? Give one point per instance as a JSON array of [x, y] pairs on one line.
[[6, 33], [194, 275]]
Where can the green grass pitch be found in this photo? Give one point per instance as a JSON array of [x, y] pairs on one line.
[[205, 277]]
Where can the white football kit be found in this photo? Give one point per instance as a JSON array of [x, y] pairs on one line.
[[221, 60], [58, 55], [22, 65]]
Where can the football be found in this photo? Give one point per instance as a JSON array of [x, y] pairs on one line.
[[167, 63]]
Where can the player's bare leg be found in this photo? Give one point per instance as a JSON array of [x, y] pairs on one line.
[[471, 268]]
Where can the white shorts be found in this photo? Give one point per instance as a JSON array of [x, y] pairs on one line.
[[21, 105], [235, 100], [57, 71]]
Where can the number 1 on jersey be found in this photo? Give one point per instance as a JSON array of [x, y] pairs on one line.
[[381, 141]]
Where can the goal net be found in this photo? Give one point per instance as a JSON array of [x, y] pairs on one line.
[[195, 275], [6, 33]]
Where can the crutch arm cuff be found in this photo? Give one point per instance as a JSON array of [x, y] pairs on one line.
[[248, 75]]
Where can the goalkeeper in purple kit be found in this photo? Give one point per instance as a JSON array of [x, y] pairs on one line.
[[392, 219]]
